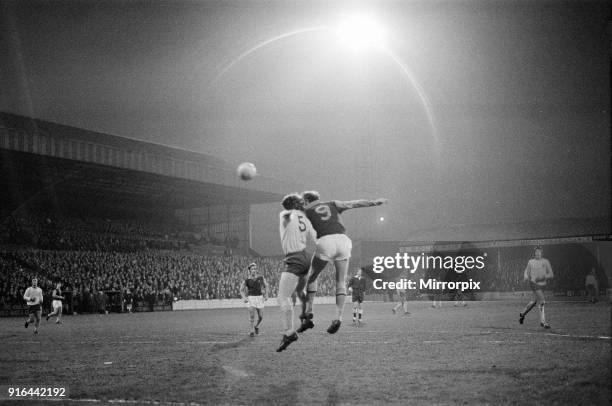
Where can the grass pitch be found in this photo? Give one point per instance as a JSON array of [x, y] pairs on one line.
[[477, 354]]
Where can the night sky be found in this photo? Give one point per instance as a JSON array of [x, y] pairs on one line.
[[518, 94]]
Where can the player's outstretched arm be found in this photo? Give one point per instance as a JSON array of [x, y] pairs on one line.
[[354, 204]]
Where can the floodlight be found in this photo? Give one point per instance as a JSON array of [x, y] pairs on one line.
[[360, 33]]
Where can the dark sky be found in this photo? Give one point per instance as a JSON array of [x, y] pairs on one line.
[[519, 93]]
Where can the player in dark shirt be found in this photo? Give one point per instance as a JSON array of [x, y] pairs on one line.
[[333, 245], [254, 292], [57, 297], [357, 288], [128, 299]]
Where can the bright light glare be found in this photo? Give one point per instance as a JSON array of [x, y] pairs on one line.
[[361, 33], [381, 218]]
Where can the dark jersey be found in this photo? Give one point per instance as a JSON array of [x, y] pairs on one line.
[[358, 285], [254, 286], [325, 218], [55, 295]]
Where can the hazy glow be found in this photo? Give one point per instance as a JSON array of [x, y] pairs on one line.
[[381, 219], [263, 44], [357, 33], [360, 33]]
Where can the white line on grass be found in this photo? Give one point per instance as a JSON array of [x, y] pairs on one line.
[[578, 336], [121, 401]]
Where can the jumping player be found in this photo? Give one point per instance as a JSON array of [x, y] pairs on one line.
[[537, 272], [333, 245], [357, 287], [254, 292], [57, 297], [295, 231], [34, 298]]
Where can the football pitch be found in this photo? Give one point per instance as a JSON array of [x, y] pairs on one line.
[[477, 354]]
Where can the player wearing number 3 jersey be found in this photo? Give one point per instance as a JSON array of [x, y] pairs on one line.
[[333, 245]]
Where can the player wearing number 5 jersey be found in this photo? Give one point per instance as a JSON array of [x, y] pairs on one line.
[[295, 232], [333, 245]]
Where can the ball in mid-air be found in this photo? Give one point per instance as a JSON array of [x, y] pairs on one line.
[[247, 171]]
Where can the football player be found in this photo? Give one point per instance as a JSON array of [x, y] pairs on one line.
[[537, 273], [333, 245], [357, 288], [57, 297], [295, 232], [34, 298], [254, 292]]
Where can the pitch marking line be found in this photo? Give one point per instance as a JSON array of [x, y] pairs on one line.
[[121, 401], [578, 336]]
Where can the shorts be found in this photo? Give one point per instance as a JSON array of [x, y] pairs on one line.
[[534, 286], [34, 308], [56, 304], [256, 302], [358, 298], [297, 263], [334, 247]]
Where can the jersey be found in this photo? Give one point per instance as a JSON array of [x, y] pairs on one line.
[[358, 285], [254, 286], [538, 270], [325, 218], [33, 293], [590, 280], [295, 230], [56, 295]]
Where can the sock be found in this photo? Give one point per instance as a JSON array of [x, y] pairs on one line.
[[340, 297], [360, 313], [288, 321], [530, 306]]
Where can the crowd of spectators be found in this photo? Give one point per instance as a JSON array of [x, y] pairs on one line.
[[150, 276], [104, 263], [56, 232]]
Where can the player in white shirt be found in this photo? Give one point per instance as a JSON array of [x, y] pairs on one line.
[[295, 232], [537, 273], [34, 298]]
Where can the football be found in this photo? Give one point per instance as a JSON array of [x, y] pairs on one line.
[[247, 171]]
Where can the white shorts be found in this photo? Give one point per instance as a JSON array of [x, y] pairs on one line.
[[334, 247], [256, 301], [56, 303]]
